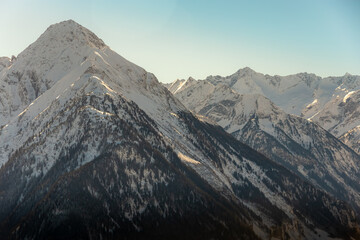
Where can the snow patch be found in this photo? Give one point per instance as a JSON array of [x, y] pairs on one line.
[[187, 159]]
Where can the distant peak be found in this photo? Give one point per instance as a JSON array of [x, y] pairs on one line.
[[70, 21], [347, 74], [66, 24], [306, 74], [245, 71]]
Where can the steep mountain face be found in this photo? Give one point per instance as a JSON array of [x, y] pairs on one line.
[[341, 114], [92, 146], [352, 139], [341, 117], [296, 143], [343, 85], [109, 179]]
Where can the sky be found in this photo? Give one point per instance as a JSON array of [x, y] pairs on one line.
[[176, 39]]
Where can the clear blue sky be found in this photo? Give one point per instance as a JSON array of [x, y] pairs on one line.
[[182, 38]]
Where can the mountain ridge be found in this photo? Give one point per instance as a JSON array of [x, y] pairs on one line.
[[303, 94], [250, 81], [296, 143]]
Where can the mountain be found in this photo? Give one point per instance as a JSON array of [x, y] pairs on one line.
[[344, 85], [93, 146], [291, 93], [305, 95], [341, 114], [341, 117], [294, 142], [302, 94]]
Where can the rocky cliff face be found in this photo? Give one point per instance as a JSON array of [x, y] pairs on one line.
[[92, 146]]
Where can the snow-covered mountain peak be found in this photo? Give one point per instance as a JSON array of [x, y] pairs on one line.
[[64, 50], [191, 79], [66, 40], [350, 82], [245, 71], [293, 93], [310, 79], [71, 32], [61, 49], [174, 85], [180, 84]]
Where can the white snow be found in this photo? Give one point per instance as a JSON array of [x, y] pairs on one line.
[[187, 159]]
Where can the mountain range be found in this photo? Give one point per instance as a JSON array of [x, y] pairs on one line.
[[294, 142], [321, 149], [94, 147]]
